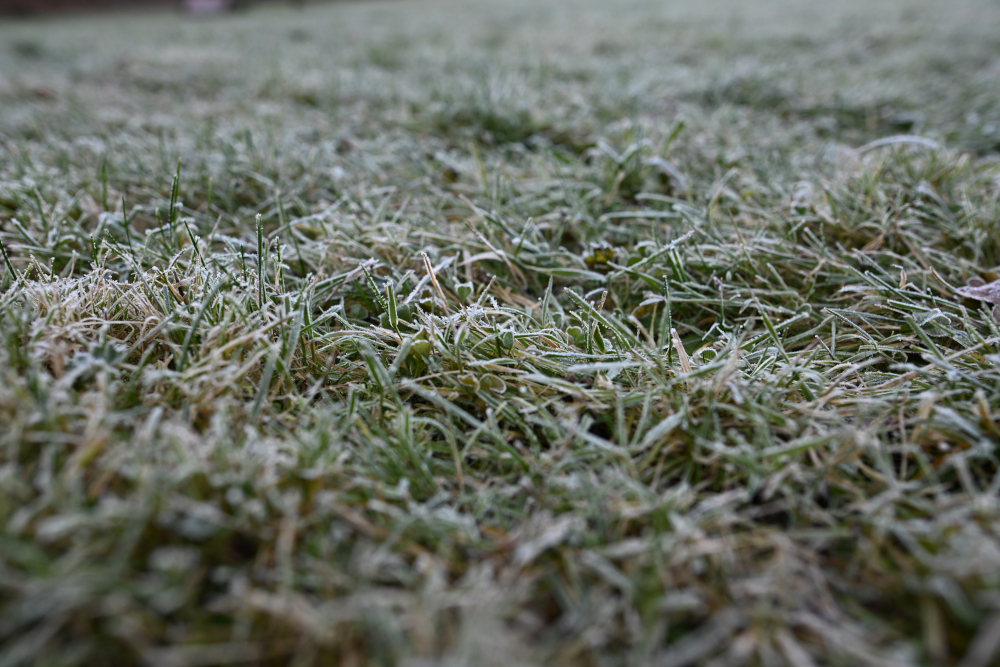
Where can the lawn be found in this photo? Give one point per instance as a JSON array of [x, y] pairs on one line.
[[502, 333]]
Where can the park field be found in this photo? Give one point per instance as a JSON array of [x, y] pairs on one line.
[[537, 332]]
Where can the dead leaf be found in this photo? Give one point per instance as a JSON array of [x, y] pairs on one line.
[[983, 291]]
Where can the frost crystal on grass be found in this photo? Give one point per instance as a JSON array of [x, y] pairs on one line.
[[577, 334]]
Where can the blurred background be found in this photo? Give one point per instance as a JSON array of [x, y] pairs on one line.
[[32, 7]]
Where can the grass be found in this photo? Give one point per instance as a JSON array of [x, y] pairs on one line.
[[441, 333]]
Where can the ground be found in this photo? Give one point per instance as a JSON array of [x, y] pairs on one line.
[[522, 333]]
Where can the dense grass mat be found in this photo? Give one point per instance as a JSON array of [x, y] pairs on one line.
[[478, 333]]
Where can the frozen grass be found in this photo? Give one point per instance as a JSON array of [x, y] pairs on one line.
[[501, 333]]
